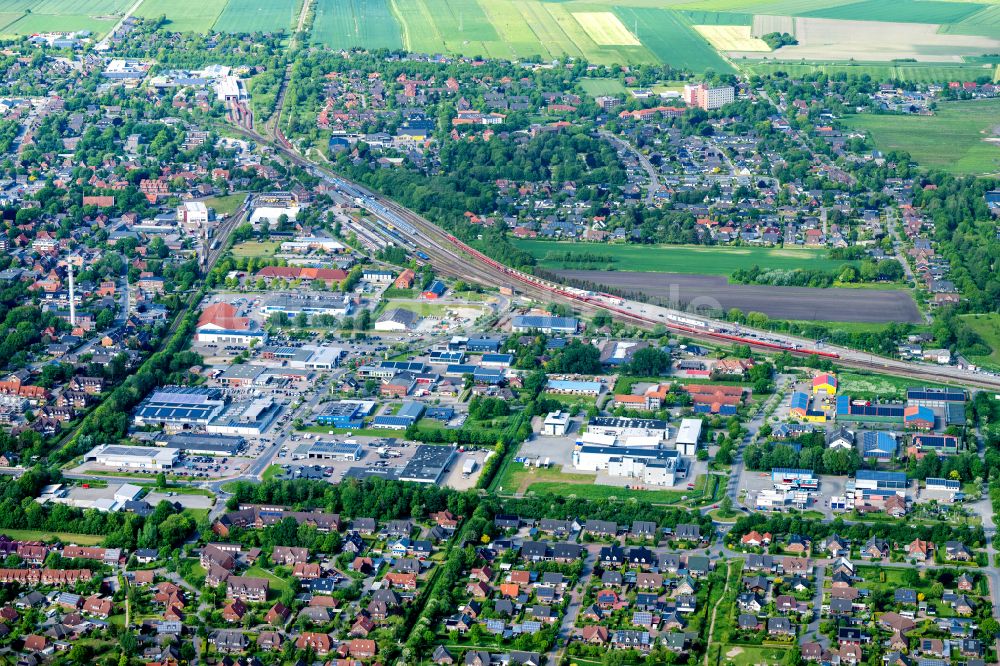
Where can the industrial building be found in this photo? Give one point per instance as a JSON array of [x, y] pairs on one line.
[[934, 397], [204, 444], [221, 323], [653, 466], [868, 412], [802, 408], [133, 457], [408, 414], [428, 464], [310, 304], [251, 417], [623, 428], [343, 414], [688, 436], [543, 323], [572, 387], [396, 320], [179, 406], [335, 451], [785, 478], [874, 480], [556, 424]]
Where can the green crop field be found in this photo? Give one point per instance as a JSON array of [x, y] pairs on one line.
[[914, 72], [692, 259], [30, 24], [906, 11], [988, 328], [78, 7], [184, 15], [355, 23], [954, 139], [672, 39], [255, 16]]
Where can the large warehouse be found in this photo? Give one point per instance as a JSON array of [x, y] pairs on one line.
[[543, 323], [179, 406], [133, 457], [688, 436]]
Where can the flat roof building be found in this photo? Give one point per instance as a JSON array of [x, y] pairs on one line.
[[179, 406], [133, 457], [206, 444], [688, 436], [428, 464], [335, 451], [556, 424], [543, 323]]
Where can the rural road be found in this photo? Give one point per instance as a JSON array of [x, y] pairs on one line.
[[103, 44]]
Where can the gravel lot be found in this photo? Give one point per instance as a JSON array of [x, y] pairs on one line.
[[799, 303]]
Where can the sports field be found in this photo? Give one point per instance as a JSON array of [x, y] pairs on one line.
[[184, 15], [256, 16], [345, 24], [692, 259], [961, 138]]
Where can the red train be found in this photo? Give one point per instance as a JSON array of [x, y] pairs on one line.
[[583, 297]]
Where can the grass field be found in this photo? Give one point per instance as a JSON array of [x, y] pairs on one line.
[[29, 24], [275, 583], [226, 205], [751, 655], [988, 328], [696, 260], [599, 87], [952, 140], [184, 15], [669, 36], [905, 11], [65, 537], [26, 17], [255, 249], [356, 23], [256, 16]]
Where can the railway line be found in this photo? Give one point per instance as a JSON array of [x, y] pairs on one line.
[[454, 258]]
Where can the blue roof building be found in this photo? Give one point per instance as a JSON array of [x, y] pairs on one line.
[[544, 323], [880, 445]]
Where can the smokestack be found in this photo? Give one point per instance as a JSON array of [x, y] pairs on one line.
[[72, 304]]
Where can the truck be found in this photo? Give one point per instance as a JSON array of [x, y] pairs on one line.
[[468, 467]]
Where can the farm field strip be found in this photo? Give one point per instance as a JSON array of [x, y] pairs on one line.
[[355, 23], [732, 38], [914, 72], [605, 29], [184, 15], [29, 24], [671, 39], [420, 32], [79, 7], [900, 11], [252, 16]]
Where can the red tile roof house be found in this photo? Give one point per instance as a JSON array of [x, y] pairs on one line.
[[318, 643]]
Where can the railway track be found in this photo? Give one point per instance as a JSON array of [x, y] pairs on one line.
[[452, 258]]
